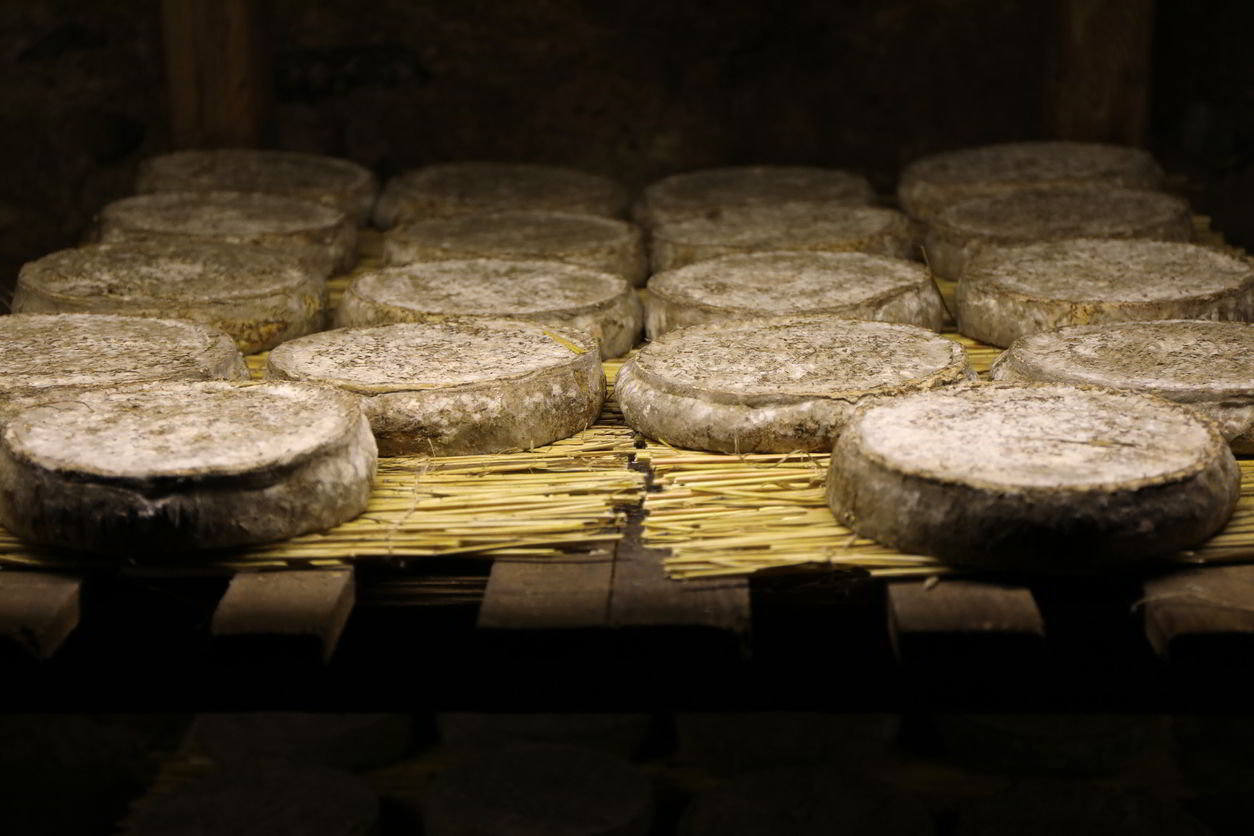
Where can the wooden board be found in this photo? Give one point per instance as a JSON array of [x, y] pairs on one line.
[[1202, 614], [284, 613], [952, 619], [548, 593], [38, 611]]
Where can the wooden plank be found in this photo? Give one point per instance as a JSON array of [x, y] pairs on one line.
[[217, 72], [550, 594], [280, 612], [1201, 613], [38, 611], [1099, 84], [962, 618]]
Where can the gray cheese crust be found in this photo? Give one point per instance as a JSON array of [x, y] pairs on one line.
[[958, 233], [258, 296], [777, 384], [604, 244], [456, 388], [547, 292], [181, 467], [55, 358], [712, 190], [1206, 365], [1011, 292], [931, 183], [322, 236], [330, 181], [737, 287], [441, 191], [1038, 477], [788, 226]]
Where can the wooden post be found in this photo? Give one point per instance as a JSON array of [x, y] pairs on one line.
[[217, 73], [1099, 87]]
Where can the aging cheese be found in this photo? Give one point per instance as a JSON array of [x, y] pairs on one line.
[[326, 238], [54, 358], [778, 384], [961, 231], [340, 184], [931, 183], [713, 190], [456, 388], [180, 467], [1011, 292], [848, 285], [258, 296], [440, 191], [547, 292], [790, 226], [1046, 476], [604, 244]]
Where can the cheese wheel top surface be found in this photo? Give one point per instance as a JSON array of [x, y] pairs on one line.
[[249, 169], [798, 356], [220, 213], [1061, 213], [429, 354], [206, 270], [787, 282], [489, 286], [521, 233], [1111, 270], [720, 188], [499, 186], [53, 350], [776, 226], [184, 429], [1036, 436], [1183, 360], [1033, 162]]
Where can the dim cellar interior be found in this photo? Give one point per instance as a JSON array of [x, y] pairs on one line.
[[626, 419]]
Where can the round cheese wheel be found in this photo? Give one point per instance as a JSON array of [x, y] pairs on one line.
[[604, 244], [258, 296], [170, 467], [547, 292], [438, 191], [340, 184], [931, 183], [959, 232], [849, 285], [540, 789], [1033, 476], [1073, 745], [1009, 293], [324, 237], [456, 388], [776, 384], [339, 740], [49, 358], [790, 226], [1206, 365], [713, 190]]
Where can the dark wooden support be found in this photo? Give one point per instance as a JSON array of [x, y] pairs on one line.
[[217, 73], [293, 615], [1100, 79], [38, 611], [555, 594], [1203, 618]]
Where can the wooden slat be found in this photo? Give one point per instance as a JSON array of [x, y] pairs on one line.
[[548, 594], [38, 611], [277, 611], [1201, 612], [959, 617]]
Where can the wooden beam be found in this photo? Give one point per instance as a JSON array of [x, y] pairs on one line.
[[1100, 80], [958, 619], [286, 613], [38, 611], [218, 74], [1202, 615], [552, 594]]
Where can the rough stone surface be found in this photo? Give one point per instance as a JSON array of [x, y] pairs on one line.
[[601, 243], [456, 388], [1033, 476], [258, 296], [788, 226], [777, 384], [934, 182], [439, 191], [340, 184], [958, 233], [712, 190], [1014, 291], [49, 358], [547, 292], [1207, 365], [179, 467], [323, 236], [736, 287]]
